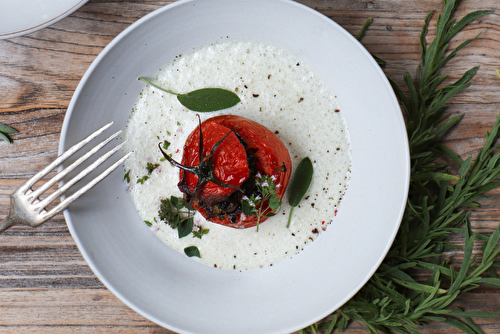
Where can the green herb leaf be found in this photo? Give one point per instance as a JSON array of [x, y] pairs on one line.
[[126, 177], [247, 208], [203, 100], [200, 232], [142, 179], [208, 99], [274, 203], [5, 130], [148, 223], [151, 167], [185, 227], [192, 251], [300, 183], [362, 32]]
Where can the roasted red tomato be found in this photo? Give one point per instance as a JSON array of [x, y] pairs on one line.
[[221, 169], [233, 151], [229, 163]]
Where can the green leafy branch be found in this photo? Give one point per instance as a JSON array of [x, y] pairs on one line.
[[393, 300]]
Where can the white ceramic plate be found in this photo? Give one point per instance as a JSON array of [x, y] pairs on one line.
[[183, 295], [19, 17]]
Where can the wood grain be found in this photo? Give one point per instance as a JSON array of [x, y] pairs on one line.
[[46, 286]]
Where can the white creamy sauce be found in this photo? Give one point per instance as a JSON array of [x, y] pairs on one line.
[[277, 90]]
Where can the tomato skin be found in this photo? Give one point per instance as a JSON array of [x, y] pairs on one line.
[[230, 164]]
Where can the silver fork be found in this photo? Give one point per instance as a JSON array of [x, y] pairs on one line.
[[26, 207]]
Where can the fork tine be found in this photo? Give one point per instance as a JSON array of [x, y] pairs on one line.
[[62, 158], [32, 196], [67, 201], [42, 204]]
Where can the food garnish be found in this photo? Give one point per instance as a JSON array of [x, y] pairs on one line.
[[226, 160], [202, 100], [267, 193], [192, 251], [395, 300], [177, 213], [300, 183], [126, 177]]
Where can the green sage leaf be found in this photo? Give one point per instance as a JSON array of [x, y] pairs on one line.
[[300, 183], [192, 251], [202, 100], [208, 99]]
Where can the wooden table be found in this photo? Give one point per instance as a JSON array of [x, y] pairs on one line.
[[46, 286]]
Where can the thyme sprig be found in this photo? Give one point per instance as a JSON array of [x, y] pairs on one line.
[[178, 213], [266, 202], [394, 300]]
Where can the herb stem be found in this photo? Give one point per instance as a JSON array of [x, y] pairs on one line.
[[290, 217], [158, 87]]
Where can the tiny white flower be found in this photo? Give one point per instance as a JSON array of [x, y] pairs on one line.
[[196, 228], [265, 184]]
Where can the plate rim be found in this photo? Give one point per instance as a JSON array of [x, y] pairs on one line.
[[53, 19]]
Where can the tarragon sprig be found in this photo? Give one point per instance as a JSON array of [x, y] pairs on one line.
[[394, 300]]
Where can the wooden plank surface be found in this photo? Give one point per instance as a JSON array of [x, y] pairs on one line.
[[46, 286]]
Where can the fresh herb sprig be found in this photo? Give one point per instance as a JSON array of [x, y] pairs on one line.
[[394, 300], [202, 100], [262, 204], [5, 131], [177, 213]]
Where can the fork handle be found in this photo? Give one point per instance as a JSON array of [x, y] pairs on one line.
[[6, 223]]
